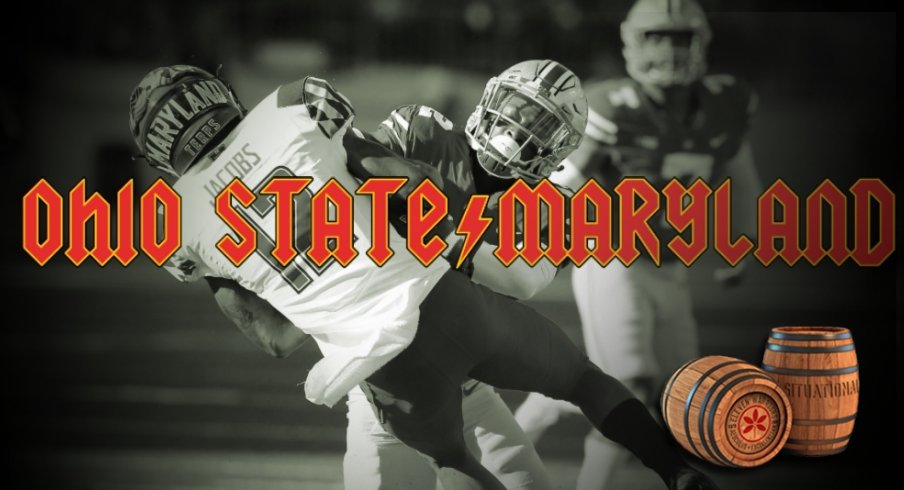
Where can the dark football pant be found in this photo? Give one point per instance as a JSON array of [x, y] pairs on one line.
[[467, 330]]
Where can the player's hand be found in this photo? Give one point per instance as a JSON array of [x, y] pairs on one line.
[[730, 276]]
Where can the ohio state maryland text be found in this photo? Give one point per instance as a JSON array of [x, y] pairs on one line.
[[857, 225]]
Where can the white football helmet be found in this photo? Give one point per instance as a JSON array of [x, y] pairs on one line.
[[665, 42], [529, 119]]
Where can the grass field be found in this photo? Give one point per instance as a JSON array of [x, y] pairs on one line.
[[130, 381]]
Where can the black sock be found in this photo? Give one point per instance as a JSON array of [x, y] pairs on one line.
[[631, 425]]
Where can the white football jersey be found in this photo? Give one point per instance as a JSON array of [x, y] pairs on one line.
[[361, 315]]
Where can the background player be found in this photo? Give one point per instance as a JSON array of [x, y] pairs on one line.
[[413, 332], [667, 121]]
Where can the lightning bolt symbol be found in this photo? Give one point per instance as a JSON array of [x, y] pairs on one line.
[[473, 225]]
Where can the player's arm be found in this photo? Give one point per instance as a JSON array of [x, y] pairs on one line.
[[588, 160], [263, 324], [519, 280], [368, 158]]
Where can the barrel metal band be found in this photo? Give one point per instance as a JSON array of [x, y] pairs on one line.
[[700, 420], [818, 442], [663, 403], [816, 336], [825, 421], [810, 372], [690, 397], [809, 350]]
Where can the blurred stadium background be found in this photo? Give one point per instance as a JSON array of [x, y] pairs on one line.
[[122, 378]]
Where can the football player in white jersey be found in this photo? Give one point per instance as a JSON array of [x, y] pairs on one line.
[[409, 334], [669, 120]]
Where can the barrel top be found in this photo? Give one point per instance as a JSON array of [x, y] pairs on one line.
[[810, 333]]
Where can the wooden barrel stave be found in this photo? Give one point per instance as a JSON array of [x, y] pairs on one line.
[[702, 403], [817, 368]]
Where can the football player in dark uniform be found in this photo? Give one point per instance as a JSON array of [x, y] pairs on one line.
[[669, 120], [374, 459]]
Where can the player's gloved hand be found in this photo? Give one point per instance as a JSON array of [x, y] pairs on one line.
[[691, 479], [730, 276]]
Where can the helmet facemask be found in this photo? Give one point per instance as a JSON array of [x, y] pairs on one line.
[[666, 57], [665, 42], [518, 132]]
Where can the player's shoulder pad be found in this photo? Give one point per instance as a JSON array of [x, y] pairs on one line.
[[610, 101], [415, 122], [330, 109], [732, 93], [614, 96]]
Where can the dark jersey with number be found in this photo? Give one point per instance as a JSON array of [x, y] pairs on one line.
[[421, 133], [630, 135]]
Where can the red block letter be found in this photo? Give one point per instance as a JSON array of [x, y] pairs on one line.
[[634, 222], [285, 189], [236, 251], [42, 192], [420, 223], [80, 211], [681, 217], [160, 250], [532, 221], [591, 237], [865, 191], [838, 251], [338, 230], [772, 229], [379, 190], [731, 252], [125, 251]]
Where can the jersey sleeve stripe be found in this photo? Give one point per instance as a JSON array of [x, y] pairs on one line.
[[400, 120], [322, 89], [326, 101]]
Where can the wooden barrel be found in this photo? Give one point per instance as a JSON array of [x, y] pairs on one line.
[[817, 369], [726, 411]]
